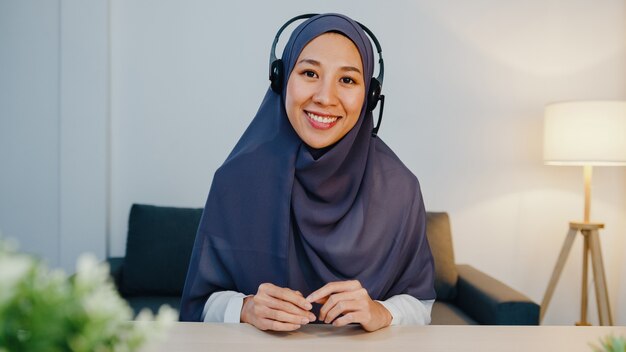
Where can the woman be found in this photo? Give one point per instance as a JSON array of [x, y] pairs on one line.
[[311, 218]]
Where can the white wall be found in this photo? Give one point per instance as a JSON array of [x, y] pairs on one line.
[[53, 127], [465, 82], [29, 125]]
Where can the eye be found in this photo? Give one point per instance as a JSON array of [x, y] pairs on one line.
[[347, 80], [309, 74]]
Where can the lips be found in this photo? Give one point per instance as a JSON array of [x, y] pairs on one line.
[[321, 122]]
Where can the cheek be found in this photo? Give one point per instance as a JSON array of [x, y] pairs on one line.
[[354, 103], [289, 101], [293, 97]]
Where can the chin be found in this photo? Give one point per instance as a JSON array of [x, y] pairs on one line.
[[317, 145], [314, 141]]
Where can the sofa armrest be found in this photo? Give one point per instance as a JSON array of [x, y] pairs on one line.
[[491, 302], [115, 266]]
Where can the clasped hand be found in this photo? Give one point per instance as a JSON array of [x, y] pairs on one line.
[[343, 302]]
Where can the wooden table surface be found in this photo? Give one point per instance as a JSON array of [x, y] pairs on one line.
[[191, 337]]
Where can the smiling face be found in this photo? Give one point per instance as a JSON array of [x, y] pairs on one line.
[[326, 90]]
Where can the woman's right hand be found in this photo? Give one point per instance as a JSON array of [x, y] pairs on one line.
[[276, 308]]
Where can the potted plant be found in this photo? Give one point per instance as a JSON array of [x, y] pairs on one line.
[[47, 310]]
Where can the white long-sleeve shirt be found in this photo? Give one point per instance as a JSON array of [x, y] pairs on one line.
[[225, 306]]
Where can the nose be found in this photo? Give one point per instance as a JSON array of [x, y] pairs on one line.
[[326, 93]]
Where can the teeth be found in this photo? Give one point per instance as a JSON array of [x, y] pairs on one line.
[[321, 118]]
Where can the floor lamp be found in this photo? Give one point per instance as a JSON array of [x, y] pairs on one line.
[[586, 133]]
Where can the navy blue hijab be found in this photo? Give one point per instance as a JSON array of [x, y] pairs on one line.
[[281, 212]]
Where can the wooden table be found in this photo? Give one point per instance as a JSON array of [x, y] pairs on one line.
[[191, 337]]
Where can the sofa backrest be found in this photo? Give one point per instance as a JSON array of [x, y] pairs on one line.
[[440, 241], [158, 249]]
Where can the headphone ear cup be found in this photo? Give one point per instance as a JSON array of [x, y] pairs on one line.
[[373, 95], [276, 76]]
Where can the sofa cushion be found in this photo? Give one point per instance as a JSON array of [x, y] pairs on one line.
[[440, 241], [158, 249], [445, 313]]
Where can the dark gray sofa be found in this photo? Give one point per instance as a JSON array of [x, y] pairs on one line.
[[159, 246], [158, 249], [466, 295]]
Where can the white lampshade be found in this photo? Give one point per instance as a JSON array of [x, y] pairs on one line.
[[585, 133]]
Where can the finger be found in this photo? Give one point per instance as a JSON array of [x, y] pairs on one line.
[[268, 324], [344, 307], [280, 305], [310, 315], [335, 299], [288, 295], [280, 316], [322, 300], [333, 287], [352, 317]]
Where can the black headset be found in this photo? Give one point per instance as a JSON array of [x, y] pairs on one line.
[[277, 71]]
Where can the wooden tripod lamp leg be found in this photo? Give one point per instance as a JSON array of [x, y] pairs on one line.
[[602, 294], [583, 302], [558, 268]]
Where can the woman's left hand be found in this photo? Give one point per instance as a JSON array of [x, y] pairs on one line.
[[350, 299]]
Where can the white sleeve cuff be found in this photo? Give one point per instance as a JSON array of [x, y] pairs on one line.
[[408, 310], [223, 307], [233, 309]]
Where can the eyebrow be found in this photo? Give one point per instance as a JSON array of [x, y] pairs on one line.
[[317, 63]]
